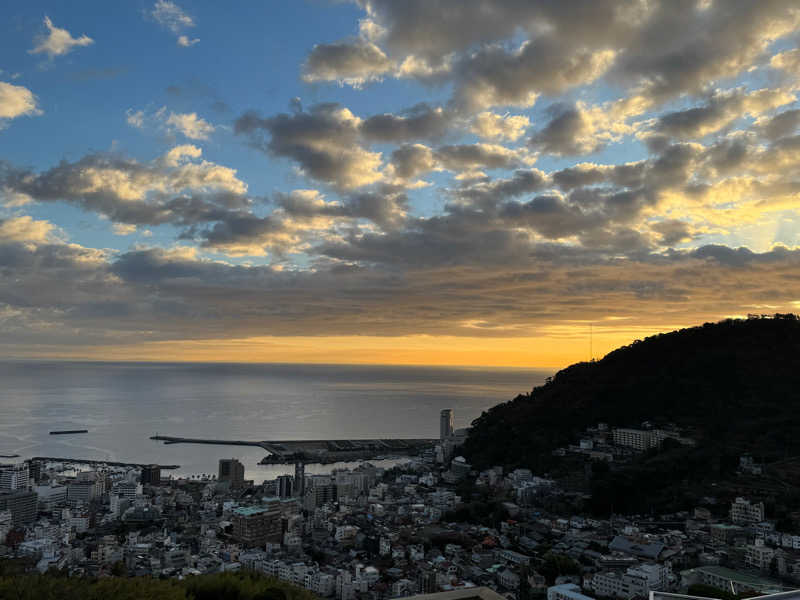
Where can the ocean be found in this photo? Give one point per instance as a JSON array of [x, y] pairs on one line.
[[123, 404]]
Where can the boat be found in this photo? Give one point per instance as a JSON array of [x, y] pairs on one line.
[[66, 431]]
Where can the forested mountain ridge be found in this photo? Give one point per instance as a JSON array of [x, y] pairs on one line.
[[734, 385]]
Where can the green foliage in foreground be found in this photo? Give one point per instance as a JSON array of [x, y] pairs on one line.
[[223, 586]]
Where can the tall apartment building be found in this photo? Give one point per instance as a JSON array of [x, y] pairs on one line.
[[321, 490], [232, 471], [21, 505], [446, 424], [744, 511], [14, 477], [256, 526]]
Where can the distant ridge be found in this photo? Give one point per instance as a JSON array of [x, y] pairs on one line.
[[734, 384]]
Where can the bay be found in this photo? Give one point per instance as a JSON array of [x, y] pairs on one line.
[[123, 404]]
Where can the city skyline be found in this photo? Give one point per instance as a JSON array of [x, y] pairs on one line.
[[521, 184]]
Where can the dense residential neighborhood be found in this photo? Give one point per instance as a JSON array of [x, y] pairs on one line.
[[428, 524]]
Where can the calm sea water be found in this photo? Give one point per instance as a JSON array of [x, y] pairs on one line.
[[123, 404]]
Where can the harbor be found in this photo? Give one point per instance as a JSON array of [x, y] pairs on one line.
[[319, 451]]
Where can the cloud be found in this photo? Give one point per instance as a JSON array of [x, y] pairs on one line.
[[494, 76], [647, 47], [420, 122], [487, 192], [783, 124], [353, 63], [581, 129], [186, 42], [411, 160], [462, 157], [26, 229], [123, 228], [788, 61], [171, 189], [493, 126], [16, 101], [323, 141], [173, 18], [135, 118], [721, 110], [672, 231], [190, 125], [58, 42], [179, 154]]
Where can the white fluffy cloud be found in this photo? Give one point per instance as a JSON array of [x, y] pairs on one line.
[[58, 41], [493, 126], [25, 229], [190, 125], [16, 101]]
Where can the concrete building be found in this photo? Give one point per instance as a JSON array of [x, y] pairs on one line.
[[744, 511], [231, 471], [728, 580], [21, 504], [256, 526], [446, 424], [151, 475], [635, 581], [82, 492], [299, 483], [638, 439], [50, 496], [566, 591], [125, 489], [14, 477], [758, 556], [284, 486], [321, 491]]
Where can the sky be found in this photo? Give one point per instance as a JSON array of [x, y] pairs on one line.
[[524, 183]]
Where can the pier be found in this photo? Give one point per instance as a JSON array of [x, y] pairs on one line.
[[319, 451]]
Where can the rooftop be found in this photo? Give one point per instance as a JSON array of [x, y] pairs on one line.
[[247, 511]]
